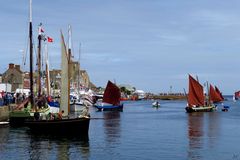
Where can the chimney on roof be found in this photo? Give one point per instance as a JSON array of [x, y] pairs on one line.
[[11, 66], [17, 67]]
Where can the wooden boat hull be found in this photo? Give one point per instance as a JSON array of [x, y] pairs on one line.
[[17, 118], [19, 121], [76, 126], [200, 109], [110, 107]]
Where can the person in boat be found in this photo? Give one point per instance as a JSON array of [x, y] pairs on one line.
[[60, 114], [50, 116], [41, 101], [36, 115]]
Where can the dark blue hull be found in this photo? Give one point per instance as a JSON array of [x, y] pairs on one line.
[[110, 108]]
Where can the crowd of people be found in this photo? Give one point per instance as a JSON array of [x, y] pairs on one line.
[[7, 98]]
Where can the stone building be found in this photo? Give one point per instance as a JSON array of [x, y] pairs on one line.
[[19, 79], [74, 74], [14, 76], [55, 78], [85, 81], [79, 76]]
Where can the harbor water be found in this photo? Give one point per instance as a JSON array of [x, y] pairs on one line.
[[139, 132]]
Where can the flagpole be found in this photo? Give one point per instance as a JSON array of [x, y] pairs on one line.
[[31, 55]]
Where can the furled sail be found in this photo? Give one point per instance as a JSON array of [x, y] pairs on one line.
[[64, 103]]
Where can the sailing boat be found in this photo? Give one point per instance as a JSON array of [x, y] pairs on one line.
[[24, 111], [219, 93], [196, 98], [237, 95], [111, 99], [68, 125], [77, 103], [215, 97]]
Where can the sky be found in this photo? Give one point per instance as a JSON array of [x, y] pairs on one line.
[[149, 44]]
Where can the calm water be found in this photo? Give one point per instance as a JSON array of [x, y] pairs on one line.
[[139, 132]]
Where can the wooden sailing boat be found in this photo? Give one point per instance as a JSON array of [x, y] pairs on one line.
[[215, 97], [196, 98], [219, 93], [22, 112], [76, 104], [111, 98], [236, 95], [67, 125]]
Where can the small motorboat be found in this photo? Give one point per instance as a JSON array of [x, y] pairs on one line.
[[156, 104], [225, 108]]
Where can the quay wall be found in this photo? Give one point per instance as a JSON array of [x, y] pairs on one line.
[[4, 113]]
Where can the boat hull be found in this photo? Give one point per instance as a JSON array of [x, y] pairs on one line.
[[154, 105], [76, 126], [200, 109], [19, 121], [17, 118], [109, 107]]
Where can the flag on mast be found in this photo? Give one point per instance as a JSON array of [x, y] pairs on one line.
[[49, 39]]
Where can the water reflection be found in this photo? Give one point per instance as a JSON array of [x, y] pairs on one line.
[[4, 132], [112, 126], [195, 134], [62, 148], [213, 128]]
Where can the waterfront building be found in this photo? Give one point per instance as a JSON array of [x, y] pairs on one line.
[[14, 76]]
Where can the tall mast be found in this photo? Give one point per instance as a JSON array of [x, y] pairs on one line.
[[78, 83], [47, 70], [69, 61], [39, 58], [70, 40], [31, 54], [208, 94]]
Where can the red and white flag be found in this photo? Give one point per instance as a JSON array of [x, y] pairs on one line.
[[49, 39]]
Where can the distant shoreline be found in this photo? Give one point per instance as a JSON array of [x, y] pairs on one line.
[[168, 97]]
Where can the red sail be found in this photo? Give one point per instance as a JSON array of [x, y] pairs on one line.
[[219, 93], [112, 94], [214, 96], [195, 93]]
